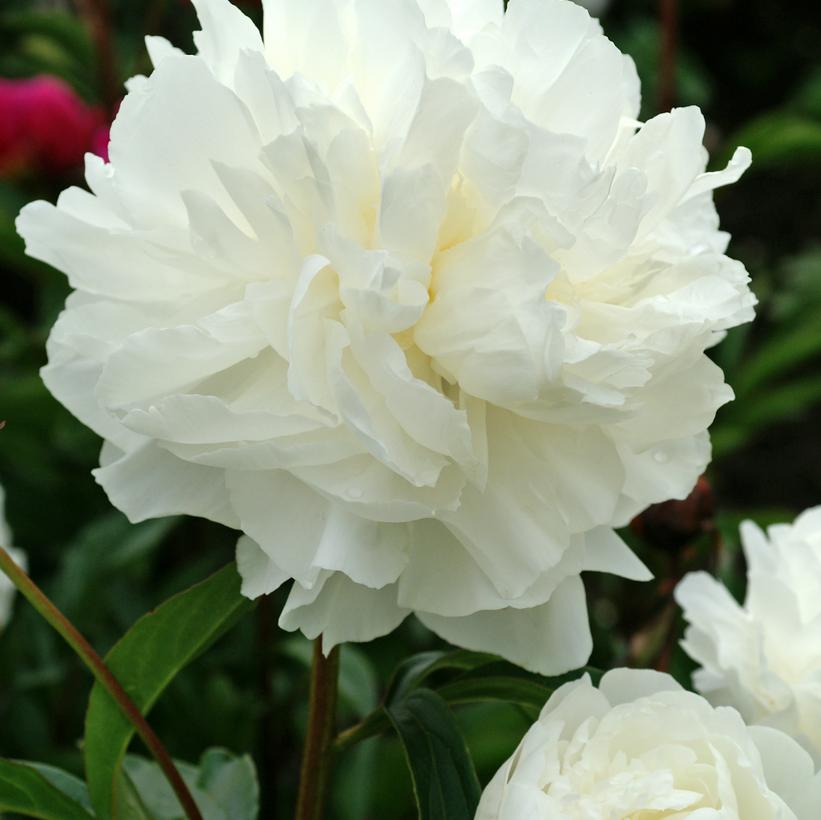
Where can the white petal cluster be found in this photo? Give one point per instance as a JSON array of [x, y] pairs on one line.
[[7, 589], [764, 658], [640, 746], [404, 292]]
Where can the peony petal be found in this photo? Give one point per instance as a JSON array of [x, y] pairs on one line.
[[285, 518], [305, 534], [153, 132], [341, 611], [226, 33], [739, 162], [626, 685], [441, 577], [606, 552], [374, 491], [159, 48], [260, 575], [141, 370], [149, 482], [549, 639], [489, 326]]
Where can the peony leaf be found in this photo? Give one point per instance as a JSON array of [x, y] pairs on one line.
[[784, 351], [508, 689], [130, 805], [415, 670], [145, 661], [474, 673], [780, 138], [461, 677], [444, 779], [33, 790], [224, 786], [231, 783]]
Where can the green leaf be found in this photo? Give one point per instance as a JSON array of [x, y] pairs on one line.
[[783, 352], [231, 782], [478, 676], [415, 670], [68, 784], [773, 406], [39, 791], [781, 138], [46, 42], [130, 805], [224, 787], [498, 687], [106, 547], [461, 677], [444, 780], [145, 661]]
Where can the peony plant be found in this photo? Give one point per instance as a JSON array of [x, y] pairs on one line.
[[422, 313], [405, 294]]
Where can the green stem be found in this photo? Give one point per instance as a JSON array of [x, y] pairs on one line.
[[317, 757], [104, 677], [374, 724]]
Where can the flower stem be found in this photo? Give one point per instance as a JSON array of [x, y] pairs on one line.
[[96, 14], [104, 677], [318, 754], [667, 71], [374, 724]]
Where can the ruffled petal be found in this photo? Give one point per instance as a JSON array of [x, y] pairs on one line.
[[150, 482], [305, 534], [341, 611], [549, 639], [260, 575]]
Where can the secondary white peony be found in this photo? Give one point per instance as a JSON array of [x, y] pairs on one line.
[[403, 292], [640, 746], [764, 658], [7, 589]]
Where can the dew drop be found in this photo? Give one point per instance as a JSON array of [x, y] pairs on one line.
[[661, 457], [354, 492]]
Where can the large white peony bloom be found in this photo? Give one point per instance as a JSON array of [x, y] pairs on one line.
[[7, 589], [404, 293], [764, 658], [640, 746]]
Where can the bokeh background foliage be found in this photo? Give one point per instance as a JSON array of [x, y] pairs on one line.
[[754, 67]]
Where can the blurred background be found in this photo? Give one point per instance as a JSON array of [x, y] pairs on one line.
[[754, 66]]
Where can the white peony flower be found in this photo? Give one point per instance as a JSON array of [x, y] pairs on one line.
[[641, 746], [7, 589], [403, 292], [764, 658]]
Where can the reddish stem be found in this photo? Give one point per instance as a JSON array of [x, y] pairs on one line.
[[318, 753], [669, 44], [38, 599]]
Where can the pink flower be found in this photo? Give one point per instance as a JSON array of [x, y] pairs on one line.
[[45, 126]]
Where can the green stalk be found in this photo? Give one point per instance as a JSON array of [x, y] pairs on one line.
[[37, 598], [371, 726]]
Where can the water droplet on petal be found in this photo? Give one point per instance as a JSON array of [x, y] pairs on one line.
[[661, 457], [354, 493]]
